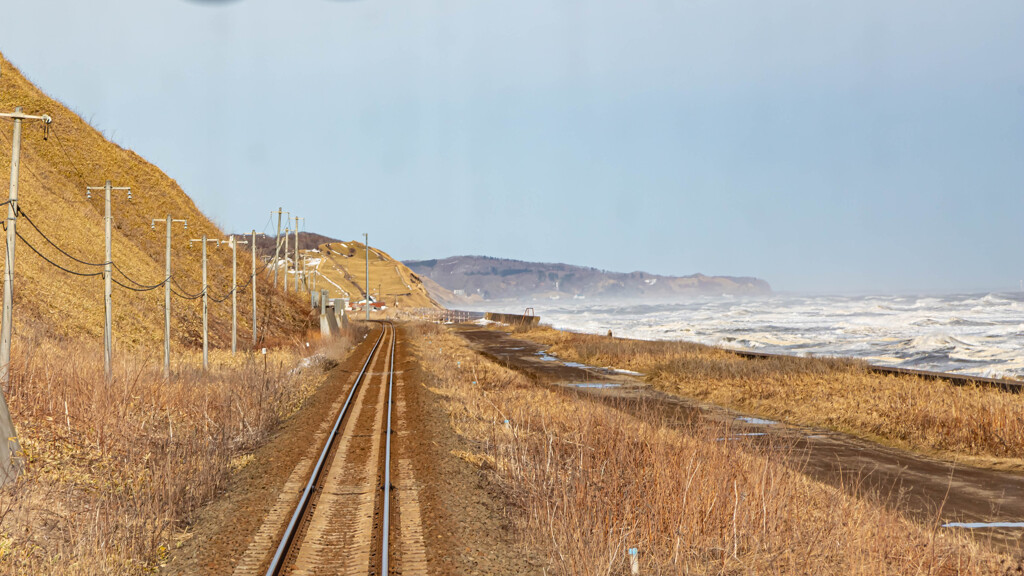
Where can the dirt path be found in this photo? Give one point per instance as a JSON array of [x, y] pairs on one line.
[[450, 519], [925, 488]]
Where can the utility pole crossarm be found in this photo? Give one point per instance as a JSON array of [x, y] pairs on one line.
[[89, 189], [19, 116]]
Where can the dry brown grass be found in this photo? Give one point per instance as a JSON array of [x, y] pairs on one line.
[[984, 424], [591, 481], [113, 470], [54, 174], [392, 278]]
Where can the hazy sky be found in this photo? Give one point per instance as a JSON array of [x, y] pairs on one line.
[[824, 146]]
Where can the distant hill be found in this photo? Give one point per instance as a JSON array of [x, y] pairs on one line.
[[485, 278]]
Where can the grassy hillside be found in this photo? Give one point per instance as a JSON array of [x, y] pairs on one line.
[[341, 267], [54, 175], [307, 241]]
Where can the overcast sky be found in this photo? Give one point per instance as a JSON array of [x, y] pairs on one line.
[[848, 145]]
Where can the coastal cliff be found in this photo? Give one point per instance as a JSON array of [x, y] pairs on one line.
[[485, 278]]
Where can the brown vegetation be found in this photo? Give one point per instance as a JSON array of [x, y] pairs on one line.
[[592, 481], [114, 470], [936, 417], [111, 468], [391, 282], [54, 174]]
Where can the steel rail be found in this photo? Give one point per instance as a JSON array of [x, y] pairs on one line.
[[387, 459], [300, 509]]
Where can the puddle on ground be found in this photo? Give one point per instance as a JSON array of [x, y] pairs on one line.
[[544, 356], [737, 436], [593, 385], [973, 525], [757, 421]]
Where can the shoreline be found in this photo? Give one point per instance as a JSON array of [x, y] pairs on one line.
[[933, 490], [1005, 384], [977, 423], [1012, 386], [971, 335]]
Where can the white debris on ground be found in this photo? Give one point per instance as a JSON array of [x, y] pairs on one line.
[[623, 371], [308, 362], [484, 322]]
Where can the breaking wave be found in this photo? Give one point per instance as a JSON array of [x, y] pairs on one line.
[[977, 334]]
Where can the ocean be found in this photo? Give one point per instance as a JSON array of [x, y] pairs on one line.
[[975, 334]]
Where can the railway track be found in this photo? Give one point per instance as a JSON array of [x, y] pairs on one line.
[[342, 522]]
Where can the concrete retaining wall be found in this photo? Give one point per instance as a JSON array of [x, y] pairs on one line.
[[513, 319]]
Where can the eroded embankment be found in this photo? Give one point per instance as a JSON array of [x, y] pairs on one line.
[[590, 481]]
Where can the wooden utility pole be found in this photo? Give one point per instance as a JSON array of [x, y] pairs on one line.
[[10, 466], [108, 338], [206, 307], [167, 293]]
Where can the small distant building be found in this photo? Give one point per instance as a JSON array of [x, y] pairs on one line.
[[459, 292]]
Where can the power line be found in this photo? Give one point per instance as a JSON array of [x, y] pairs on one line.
[[68, 156], [54, 244], [146, 289], [52, 263], [186, 296], [225, 298], [87, 263], [130, 279]]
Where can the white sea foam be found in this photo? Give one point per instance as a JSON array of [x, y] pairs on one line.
[[977, 334]]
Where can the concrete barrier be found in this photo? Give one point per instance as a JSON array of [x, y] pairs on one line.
[[1014, 386], [514, 319]]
